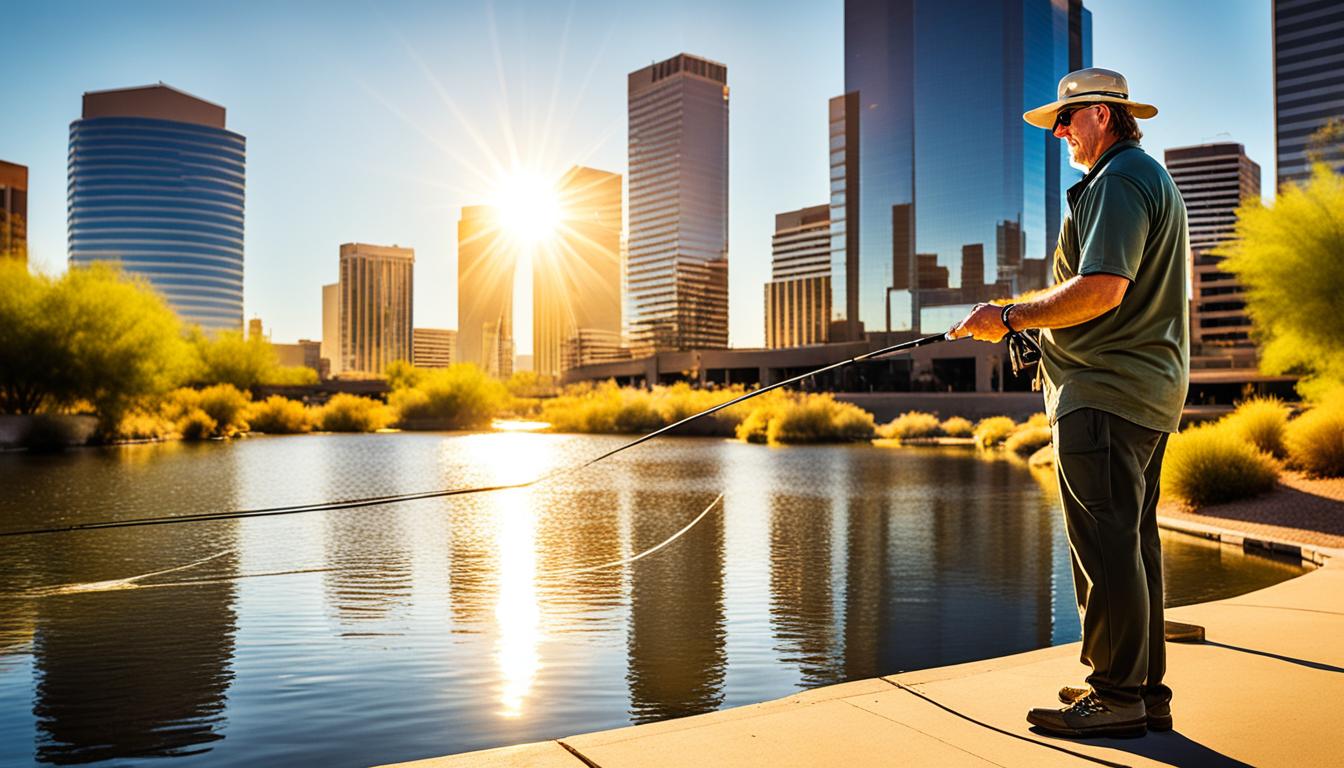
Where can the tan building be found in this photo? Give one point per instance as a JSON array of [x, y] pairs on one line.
[[432, 347], [331, 327], [798, 296], [485, 267], [13, 211], [376, 289], [576, 280], [306, 353], [1214, 179], [588, 346]]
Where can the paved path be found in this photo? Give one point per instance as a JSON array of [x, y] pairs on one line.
[[1300, 509], [1265, 689]]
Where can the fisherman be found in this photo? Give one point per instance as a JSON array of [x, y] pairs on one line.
[[1115, 363]]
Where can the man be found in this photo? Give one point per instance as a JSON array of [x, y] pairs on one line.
[[1115, 364]]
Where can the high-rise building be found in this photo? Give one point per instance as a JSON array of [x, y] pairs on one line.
[[432, 347], [576, 279], [1308, 88], [844, 322], [677, 273], [254, 330], [798, 296], [13, 211], [485, 267], [377, 286], [331, 327], [1214, 179], [157, 185], [930, 180]]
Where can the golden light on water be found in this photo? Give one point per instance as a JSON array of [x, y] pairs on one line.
[[518, 425], [517, 613]]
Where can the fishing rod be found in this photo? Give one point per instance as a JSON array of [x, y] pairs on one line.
[[373, 501]]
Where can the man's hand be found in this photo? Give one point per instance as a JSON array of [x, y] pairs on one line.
[[984, 323]]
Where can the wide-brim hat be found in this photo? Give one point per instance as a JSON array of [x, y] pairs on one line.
[[1088, 86]]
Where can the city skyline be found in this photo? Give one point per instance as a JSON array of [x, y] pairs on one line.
[[391, 160]]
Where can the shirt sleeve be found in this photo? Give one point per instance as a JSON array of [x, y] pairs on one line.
[[1112, 242]]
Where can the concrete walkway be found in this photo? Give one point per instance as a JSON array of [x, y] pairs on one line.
[[1266, 688]]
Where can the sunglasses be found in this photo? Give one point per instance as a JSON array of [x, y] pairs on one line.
[[1066, 116]]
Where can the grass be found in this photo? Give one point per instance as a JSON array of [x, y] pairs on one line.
[[352, 413], [911, 425], [1027, 439], [957, 427], [1314, 441], [457, 397], [993, 431], [806, 418], [1262, 422], [278, 415], [1211, 464]]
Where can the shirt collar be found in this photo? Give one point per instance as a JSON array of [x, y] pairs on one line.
[[1097, 167]]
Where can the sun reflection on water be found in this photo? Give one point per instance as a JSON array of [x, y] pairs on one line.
[[517, 613]]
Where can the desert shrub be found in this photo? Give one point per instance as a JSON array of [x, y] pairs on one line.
[[608, 408], [196, 424], [761, 411], [957, 427], [819, 419], [1037, 420], [1210, 464], [1027, 439], [1261, 421], [352, 413], [142, 425], [457, 397], [1314, 441], [278, 415], [911, 425], [992, 431], [227, 406]]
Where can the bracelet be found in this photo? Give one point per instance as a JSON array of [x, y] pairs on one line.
[[1003, 316]]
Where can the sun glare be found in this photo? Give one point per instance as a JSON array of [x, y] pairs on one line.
[[529, 208]]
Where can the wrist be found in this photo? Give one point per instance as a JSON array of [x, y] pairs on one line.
[[1005, 317]]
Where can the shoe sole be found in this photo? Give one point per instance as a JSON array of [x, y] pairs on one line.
[[1155, 722], [1131, 728]]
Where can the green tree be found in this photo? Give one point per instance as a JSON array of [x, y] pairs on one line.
[[94, 335], [1288, 258], [225, 357]]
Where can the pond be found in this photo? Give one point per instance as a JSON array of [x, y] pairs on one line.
[[424, 628]]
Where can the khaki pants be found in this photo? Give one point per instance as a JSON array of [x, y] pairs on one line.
[[1109, 469]]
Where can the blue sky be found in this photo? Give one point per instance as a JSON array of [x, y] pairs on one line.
[[377, 121]]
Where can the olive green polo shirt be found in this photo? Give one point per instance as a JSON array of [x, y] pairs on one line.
[[1126, 218]]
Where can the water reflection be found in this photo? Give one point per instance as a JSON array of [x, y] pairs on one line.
[[460, 621], [676, 636]]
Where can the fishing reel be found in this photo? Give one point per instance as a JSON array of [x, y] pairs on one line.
[[1024, 347], [1024, 350]]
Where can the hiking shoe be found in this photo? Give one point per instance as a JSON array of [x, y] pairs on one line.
[[1159, 712], [1090, 716]]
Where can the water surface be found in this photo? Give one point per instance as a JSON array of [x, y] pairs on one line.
[[392, 633]]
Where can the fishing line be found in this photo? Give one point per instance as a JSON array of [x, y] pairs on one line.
[[373, 501], [645, 553]]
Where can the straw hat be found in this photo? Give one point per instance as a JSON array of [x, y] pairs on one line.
[[1088, 86]]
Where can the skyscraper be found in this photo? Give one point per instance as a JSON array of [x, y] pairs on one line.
[[377, 286], [1308, 89], [576, 280], [485, 267], [844, 149], [1214, 179], [432, 347], [157, 184], [677, 273], [798, 296], [331, 327], [938, 88], [13, 211]]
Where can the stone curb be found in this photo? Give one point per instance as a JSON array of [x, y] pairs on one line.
[[1311, 553]]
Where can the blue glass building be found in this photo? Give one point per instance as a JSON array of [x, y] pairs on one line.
[[156, 183], [931, 158]]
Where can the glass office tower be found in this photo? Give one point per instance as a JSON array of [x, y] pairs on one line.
[[946, 166], [156, 183], [1308, 85], [677, 268]]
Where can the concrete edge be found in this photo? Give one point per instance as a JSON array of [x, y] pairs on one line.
[[1311, 553]]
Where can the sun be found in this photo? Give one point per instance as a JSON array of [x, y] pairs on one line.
[[528, 206]]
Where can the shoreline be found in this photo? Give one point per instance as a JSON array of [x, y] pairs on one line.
[[1277, 641]]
